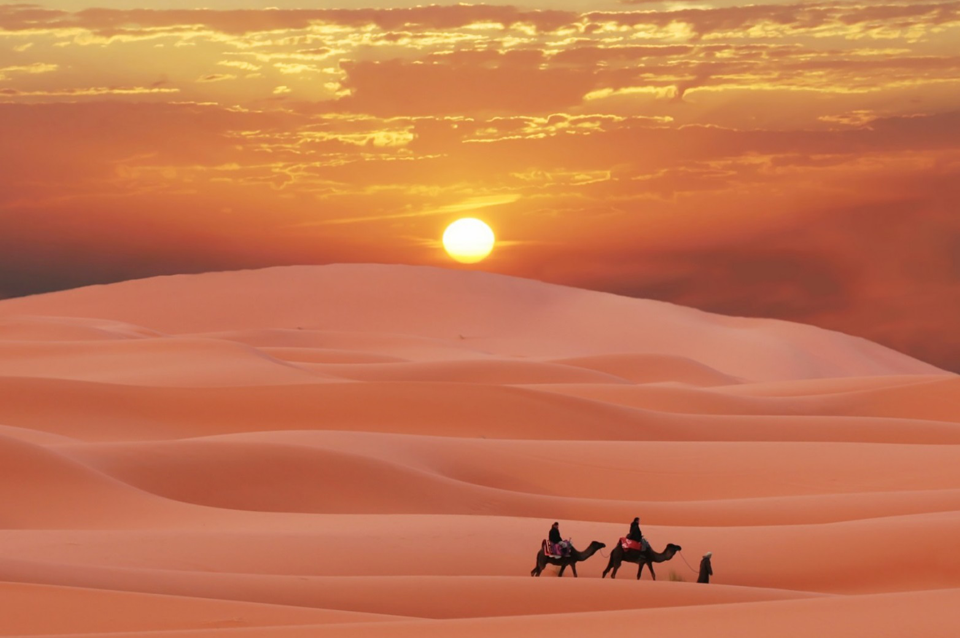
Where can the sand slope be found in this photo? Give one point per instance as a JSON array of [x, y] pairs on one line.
[[378, 450], [488, 313]]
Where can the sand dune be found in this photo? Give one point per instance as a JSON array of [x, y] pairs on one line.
[[471, 371], [45, 329], [99, 411], [45, 609], [360, 450], [884, 616], [392, 471], [489, 313], [647, 368], [44, 489], [934, 398], [432, 597], [153, 362]]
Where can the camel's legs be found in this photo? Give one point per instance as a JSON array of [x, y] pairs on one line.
[[614, 574], [573, 566], [640, 571], [653, 573], [562, 568]]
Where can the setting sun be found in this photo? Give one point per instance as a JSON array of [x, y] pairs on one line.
[[468, 240]]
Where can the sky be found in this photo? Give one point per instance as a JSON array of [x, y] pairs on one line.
[[791, 160]]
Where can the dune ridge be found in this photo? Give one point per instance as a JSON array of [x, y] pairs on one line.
[[492, 313], [370, 449]]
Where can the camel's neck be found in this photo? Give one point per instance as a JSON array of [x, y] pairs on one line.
[[587, 553], [665, 555]]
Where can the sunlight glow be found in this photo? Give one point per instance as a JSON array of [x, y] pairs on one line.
[[468, 240]]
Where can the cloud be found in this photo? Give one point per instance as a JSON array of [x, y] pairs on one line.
[[93, 91], [825, 18], [216, 77], [396, 87], [240, 64], [468, 205], [35, 68], [834, 17], [113, 21]]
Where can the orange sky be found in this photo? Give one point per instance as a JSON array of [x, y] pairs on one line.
[[792, 160]]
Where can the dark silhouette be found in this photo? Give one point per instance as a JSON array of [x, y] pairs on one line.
[[555, 536], [706, 569], [646, 557], [635, 534], [570, 559]]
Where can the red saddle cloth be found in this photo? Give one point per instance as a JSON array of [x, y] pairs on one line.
[[626, 544], [551, 550]]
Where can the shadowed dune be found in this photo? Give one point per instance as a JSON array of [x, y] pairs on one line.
[[880, 615], [360, 450], [48, 609], [99, 411], [471, 371], [26, 328], [934, 399], [646, 368], [152, 362]]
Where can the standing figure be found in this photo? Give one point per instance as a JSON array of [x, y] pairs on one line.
[[706, 569]]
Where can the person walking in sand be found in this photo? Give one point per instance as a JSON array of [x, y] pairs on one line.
[[706, 569]]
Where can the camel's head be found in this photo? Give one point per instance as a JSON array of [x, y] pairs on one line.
[[598, 544], [675, 548]]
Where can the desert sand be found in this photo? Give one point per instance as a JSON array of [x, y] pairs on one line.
[[371, 450]]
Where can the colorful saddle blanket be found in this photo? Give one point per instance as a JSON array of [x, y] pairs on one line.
[[628, 544], [554, 550]]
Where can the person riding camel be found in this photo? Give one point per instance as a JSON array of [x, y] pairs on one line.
[[558, 545], [635, 534]]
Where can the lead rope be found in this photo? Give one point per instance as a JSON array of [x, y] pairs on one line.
[[688, 564]]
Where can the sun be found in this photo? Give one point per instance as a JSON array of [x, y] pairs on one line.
[[468, 240]]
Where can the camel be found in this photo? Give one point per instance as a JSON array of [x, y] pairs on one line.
[[570, 560], [646, 557]]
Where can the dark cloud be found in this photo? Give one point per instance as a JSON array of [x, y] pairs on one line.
[[751, 280], [887, 271]]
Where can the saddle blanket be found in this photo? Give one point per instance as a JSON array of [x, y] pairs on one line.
[[628, 544], [551, 550]]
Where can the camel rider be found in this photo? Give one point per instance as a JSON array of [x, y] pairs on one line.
[[556, 540], [635, 533]]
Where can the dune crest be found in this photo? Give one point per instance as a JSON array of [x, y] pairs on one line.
[[487, 313]]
